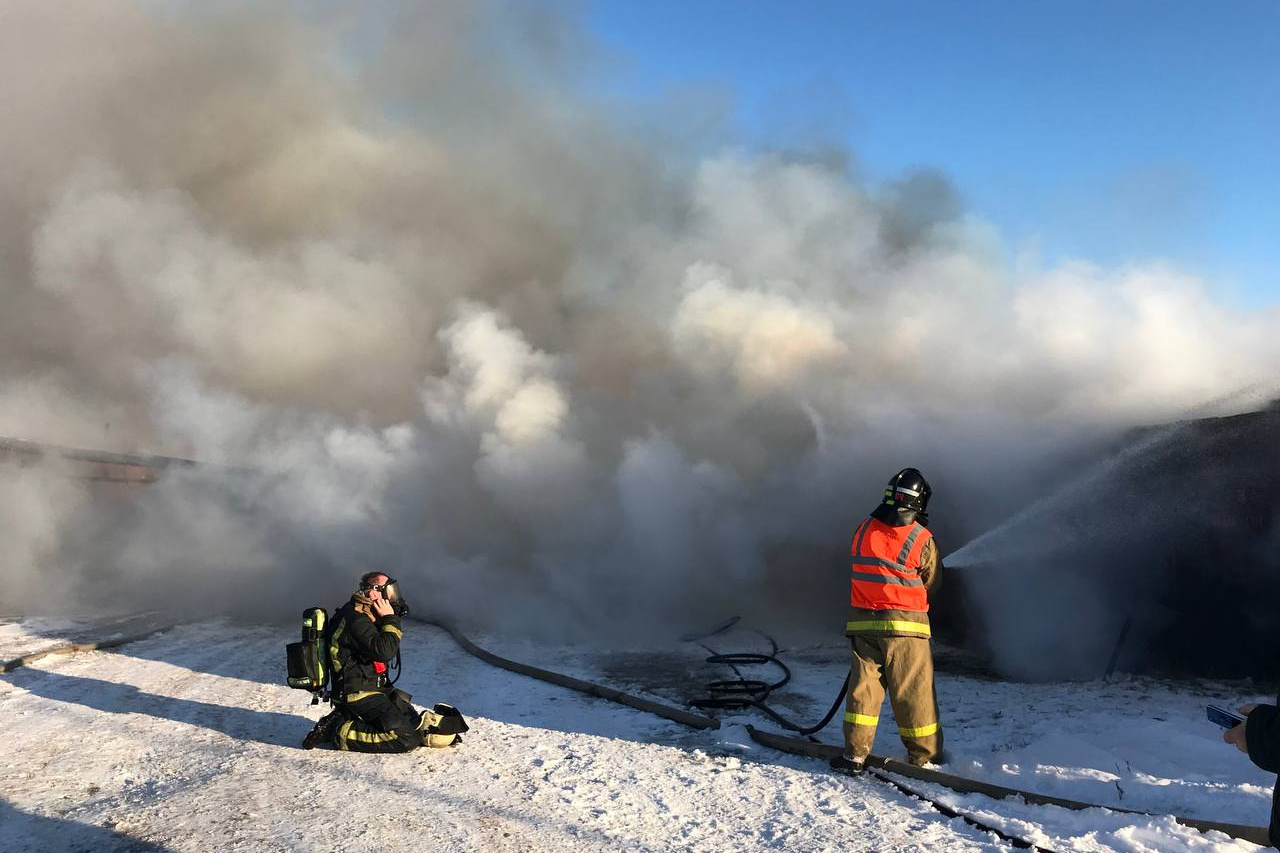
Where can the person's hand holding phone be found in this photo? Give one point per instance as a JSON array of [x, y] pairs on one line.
[[1236, 735]]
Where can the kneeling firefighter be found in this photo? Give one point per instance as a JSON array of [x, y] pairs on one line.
[[360, 643], [894, 564]]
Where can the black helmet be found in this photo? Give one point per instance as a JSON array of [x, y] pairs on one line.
[[909, 490]]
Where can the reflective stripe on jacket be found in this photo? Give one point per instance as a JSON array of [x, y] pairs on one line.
[[359, 645], [885, 567]]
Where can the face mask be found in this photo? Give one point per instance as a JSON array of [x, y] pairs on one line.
[[391, 592]]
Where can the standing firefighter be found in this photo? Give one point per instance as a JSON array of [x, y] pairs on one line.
[[895, 564]]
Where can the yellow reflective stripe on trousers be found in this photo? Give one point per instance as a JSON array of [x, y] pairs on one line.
[[374, 737], [392, 629], [342, 735], [903, 626], [345, 734], [918, 731], [860, 719]]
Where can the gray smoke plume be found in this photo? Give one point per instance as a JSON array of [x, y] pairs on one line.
[[423, 302]]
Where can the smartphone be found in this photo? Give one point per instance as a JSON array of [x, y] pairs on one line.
[[1223, 717]]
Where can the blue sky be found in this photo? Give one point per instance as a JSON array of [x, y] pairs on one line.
[[1110, 131]]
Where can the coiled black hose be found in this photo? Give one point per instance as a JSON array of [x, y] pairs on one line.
[[735, 694]]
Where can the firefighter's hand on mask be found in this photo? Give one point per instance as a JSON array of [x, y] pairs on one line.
[[381, 607]]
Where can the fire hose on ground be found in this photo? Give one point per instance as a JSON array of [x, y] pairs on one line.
[[736, 694], [72, 648], [878, 766]]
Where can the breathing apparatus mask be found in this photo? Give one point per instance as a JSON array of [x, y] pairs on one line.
[[391, 593]]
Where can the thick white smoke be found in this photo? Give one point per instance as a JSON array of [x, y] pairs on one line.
[[422, 303]]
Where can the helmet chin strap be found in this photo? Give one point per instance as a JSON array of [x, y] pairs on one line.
[[896, 516]]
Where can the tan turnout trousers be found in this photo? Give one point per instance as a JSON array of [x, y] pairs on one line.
[[905, 666]]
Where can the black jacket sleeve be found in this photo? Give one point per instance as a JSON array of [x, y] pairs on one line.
[[1262, 736], [378, 641]]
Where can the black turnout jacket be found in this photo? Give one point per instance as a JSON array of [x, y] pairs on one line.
[[1262, 736], [358, 639]]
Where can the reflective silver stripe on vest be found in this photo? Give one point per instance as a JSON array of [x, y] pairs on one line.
[[862, 532], [880, 561], [916, 530], [887, 579]]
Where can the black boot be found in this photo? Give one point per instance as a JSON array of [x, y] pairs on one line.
[[323, 731], [846, 765]]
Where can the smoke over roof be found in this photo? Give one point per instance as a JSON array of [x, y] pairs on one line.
[[547, 359]]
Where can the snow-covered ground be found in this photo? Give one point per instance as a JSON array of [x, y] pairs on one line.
[[19, 637], [188, 742]]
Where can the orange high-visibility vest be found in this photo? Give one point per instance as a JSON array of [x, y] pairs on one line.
[[886, 567]]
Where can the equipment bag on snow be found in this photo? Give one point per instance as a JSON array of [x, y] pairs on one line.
[[442, 726], [306, 659]]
